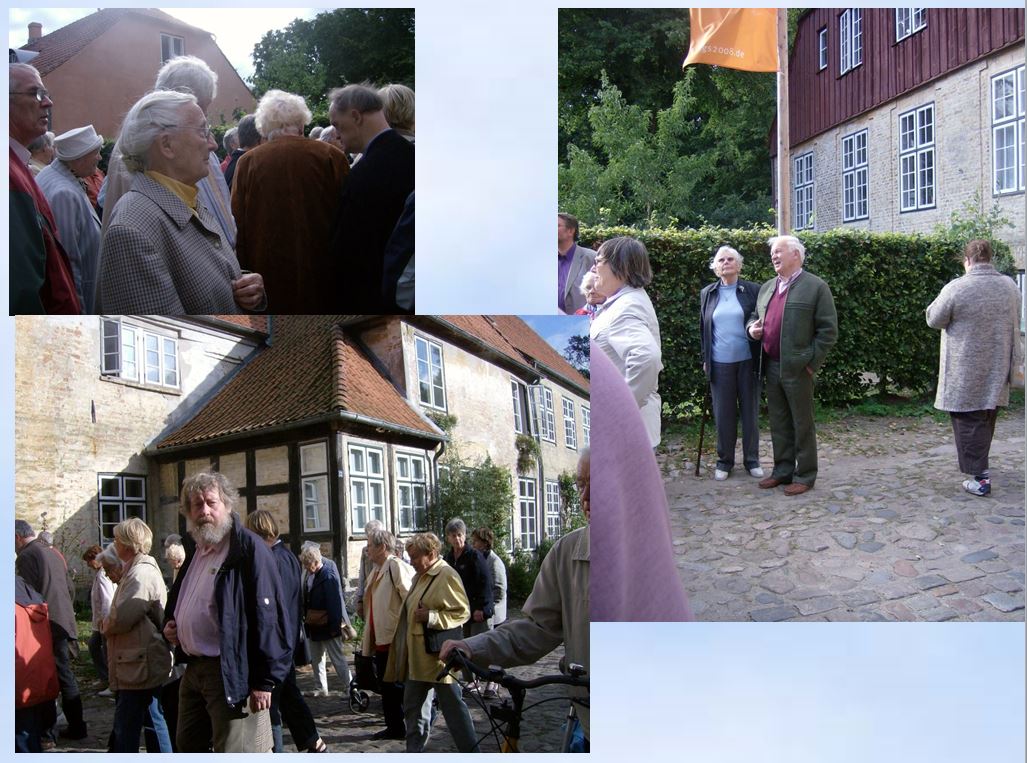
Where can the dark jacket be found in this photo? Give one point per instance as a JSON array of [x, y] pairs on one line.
[[324, 594], [289, 572], [708, 299], [255, 652], [45, 571], [477, 578]]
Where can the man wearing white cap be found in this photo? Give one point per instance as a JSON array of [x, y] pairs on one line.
[[78, 153]]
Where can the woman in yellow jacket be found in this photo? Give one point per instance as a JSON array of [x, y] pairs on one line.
[[436, 601]]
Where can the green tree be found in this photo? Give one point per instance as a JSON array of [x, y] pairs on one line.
[[479, 493], [577, 353]]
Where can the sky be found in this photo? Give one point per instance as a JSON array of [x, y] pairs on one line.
[[557, 329], [236, 30]]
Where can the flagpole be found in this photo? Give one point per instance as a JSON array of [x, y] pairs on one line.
[[783, 158]]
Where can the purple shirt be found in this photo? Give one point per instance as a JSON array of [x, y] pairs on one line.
[[637, 579], [196, 612], [563, 271]]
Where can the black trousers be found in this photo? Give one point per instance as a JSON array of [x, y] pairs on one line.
[[287, 704], [71, 700], [392, 696], [733, 391], [974, 431]]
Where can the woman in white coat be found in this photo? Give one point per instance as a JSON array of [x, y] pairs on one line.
[[626, 327]]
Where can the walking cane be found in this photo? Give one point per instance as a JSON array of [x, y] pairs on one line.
[[702, 429]]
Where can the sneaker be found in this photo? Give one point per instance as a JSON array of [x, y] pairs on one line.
[[490, 694], [975, 487], [720, 475], [756, 471], [105, 693]]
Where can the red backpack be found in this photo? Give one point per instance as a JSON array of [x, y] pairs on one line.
[[35, 673]]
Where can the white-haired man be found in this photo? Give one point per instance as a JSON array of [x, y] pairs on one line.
[[797, 321]]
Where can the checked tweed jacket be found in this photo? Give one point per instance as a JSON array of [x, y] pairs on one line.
[[158, 258]]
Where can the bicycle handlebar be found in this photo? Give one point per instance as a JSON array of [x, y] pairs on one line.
[[507, 681]]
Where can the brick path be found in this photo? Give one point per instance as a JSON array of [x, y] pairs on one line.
[[887, 533]]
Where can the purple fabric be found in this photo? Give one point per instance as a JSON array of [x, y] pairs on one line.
[[564, 270], [634, 578]]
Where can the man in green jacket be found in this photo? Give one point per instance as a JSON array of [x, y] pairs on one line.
[[796, 319]]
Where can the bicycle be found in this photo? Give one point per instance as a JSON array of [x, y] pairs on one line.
[[510, 711]]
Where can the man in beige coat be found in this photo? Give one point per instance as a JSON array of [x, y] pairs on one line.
[[979, 317]]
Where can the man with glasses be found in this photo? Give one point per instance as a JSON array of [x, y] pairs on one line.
[[41, 279]]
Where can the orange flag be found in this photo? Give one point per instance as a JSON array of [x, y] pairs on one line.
[[736, 38]]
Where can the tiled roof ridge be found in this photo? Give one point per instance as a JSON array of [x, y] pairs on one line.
[[561, 365], [339, 345]]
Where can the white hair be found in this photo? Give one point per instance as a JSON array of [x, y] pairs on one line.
[[729, 250], [280, 113], [188, 74], [148, 118], [791, 242], [230, 141]]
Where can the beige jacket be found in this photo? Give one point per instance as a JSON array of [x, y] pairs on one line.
[[138, 657], [443, 594], [556, 612], [387, 586]]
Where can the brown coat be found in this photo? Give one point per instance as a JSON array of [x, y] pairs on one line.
[[137, 654], [284, 199]]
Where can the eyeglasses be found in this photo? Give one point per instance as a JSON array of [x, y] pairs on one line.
[[38, 93], [204, 131]]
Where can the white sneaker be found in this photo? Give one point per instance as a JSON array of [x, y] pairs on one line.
[[105, 693], [756, 471], [720, 475]]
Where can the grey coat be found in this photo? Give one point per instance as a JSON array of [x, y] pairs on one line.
[[583, 260], [159, 258], [979, 315]]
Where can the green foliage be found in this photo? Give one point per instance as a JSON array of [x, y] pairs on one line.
[[571, 515], [881, 282], [528, 453], [335, 48], [973, 221], [480, 494], [444, 421], [520, 575], [577, 353]]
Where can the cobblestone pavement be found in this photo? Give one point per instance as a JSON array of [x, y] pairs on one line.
[[345, 731], [887, 533]]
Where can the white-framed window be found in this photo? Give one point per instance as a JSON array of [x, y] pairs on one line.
[[855, 177], [119, 496], [314, 486], [586, 426], [519, 393], [171, 46], [822, 49], [139, 355], [850, 26], [916, 159], [909, 21], [570, 425], [527, 531], [802, 197], [431, 380], [553, 524], [542, 400], [412, 491], [1007, 141], [366, 485]]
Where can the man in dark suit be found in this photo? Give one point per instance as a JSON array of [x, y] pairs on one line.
[[372, 197], [45, 571], [573, 262]]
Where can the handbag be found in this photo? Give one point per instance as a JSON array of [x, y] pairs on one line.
[[435, 637], [301, 654], [316, 617]]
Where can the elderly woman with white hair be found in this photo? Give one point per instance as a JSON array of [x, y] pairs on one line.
[[323, 619], [399, 108], [163, 252], [593, 299], [284, 195], [730, 360]]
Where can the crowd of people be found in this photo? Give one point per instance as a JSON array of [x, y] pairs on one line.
[[206, 659], [288, 222]]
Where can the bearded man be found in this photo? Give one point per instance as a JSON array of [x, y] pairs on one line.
[[225, 617]]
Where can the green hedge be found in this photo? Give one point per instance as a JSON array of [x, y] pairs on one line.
[[882, 283]]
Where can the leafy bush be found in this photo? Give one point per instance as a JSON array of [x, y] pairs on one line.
[[520, 575], [882, 284]]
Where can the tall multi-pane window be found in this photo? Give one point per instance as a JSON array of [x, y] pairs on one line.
[[802, 199], [139, 355], [586, 425], [553, 524], [120, 496], [411, 491], [822, 49], [430, 377], [909, 21], [855, 180], [366, 486], [519, 393], [527, 531], [916, 159], [850, 27], [171, 46], [1007, 119], [570, 425], [542, 404], [314, 486]]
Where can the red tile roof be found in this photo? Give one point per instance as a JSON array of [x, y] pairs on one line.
[[259, 323], [62, 44], [308, 370]]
